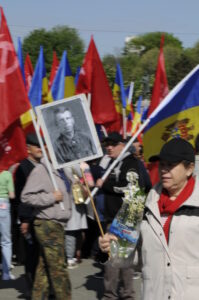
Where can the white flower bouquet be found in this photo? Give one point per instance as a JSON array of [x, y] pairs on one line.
[[127, 222]]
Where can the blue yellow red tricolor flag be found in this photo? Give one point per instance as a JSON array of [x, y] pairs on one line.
[[63, 84], [39, 88], [77, 75], [119, 95], [137, 116], [176, 115]]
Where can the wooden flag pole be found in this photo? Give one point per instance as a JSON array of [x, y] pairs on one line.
[[93, 204]]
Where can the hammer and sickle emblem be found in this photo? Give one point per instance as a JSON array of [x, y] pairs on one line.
[[4, 69]]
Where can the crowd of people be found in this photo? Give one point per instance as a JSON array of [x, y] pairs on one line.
[[50, 232]]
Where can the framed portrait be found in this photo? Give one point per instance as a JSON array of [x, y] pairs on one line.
[[69, 131]]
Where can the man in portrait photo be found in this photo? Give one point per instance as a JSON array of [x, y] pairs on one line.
[[72, 143]]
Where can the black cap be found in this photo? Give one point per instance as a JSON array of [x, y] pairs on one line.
[[176, 150], [113, 137], [31, 139]]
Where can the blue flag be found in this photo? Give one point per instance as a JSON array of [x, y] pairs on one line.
[[63, 84], [39, 88], [20, 57]]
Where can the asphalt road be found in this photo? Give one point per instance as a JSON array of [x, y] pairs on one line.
[[84, 284]]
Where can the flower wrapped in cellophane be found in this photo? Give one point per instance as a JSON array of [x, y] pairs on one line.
[[127, 222]]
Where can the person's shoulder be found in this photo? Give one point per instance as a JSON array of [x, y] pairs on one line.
[[24, 166], [6, 173], [130, 158]]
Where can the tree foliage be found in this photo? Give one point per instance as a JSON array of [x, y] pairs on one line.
[[59, 39], [145, 42], [140, 56]]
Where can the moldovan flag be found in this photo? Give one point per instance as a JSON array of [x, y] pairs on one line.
[[77, 75], [54, 68], [119, 95], [13, 101], [38, 91], [28, 70], [39, 88], [63, 84], [92, 80], [176, 116], [137, 116]]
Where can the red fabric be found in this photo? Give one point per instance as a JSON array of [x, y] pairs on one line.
[[28, 69], [54, 68], [115, 125], [12, 146], [92, 79], [13, 97], [153, 172], [160, 87], [167, 206]]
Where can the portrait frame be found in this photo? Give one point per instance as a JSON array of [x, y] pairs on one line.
[[53, 131]]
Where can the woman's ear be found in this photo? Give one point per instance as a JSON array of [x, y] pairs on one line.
[[190, 169]]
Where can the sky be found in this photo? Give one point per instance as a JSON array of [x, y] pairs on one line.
[[109, 21]]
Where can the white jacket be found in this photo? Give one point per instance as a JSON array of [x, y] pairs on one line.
[[171, 271]]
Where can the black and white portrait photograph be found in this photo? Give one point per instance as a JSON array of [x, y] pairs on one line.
[[69, 131]]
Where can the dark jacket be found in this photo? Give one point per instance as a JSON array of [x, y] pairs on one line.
[[25, 212], [117, 178]]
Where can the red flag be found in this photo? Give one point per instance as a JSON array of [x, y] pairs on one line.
[[160, 87], [13, 97], [12, 146], [13, 101], [92, 79], [54, 68], [160, 90], [28, 69]]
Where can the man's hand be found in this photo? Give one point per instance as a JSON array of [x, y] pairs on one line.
[[58, 196], [24, 228], [99, 183], [104, 242]]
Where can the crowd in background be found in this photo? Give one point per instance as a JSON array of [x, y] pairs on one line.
[[44, 238]]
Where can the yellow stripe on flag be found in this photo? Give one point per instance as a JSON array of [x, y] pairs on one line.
[[184, 124]]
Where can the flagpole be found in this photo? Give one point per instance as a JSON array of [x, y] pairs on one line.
[[130, 95], [89, 100], [36, 126], [104, 131], [124, 122]]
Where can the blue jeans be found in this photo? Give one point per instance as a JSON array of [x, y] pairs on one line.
[[5, 231]]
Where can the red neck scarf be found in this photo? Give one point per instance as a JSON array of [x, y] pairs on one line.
[[167, 206]]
